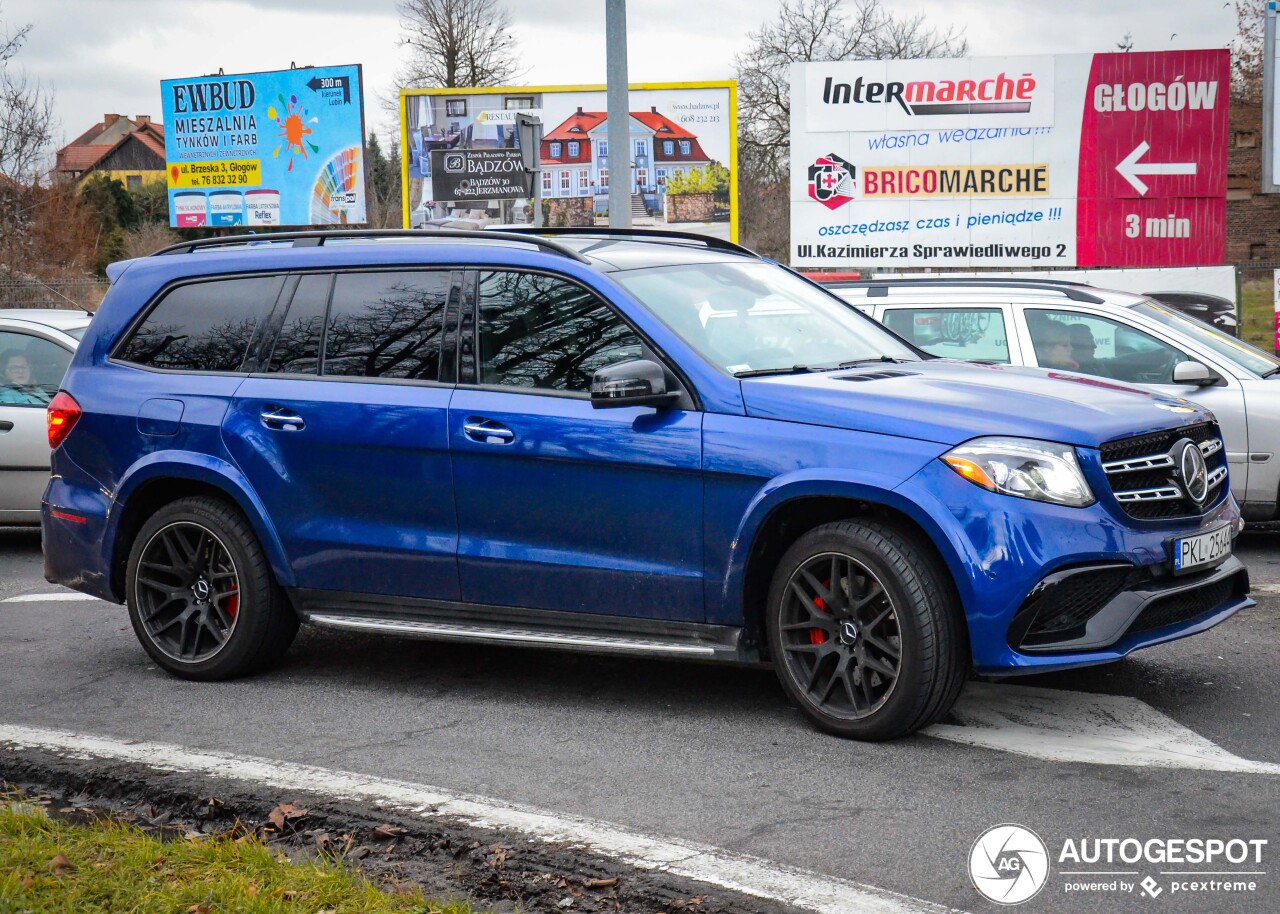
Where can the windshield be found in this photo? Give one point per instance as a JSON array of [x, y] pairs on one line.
[[1238, 351], [756, 317]]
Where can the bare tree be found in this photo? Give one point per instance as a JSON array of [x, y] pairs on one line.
[[807, 31], [457, 43], [26, 114], [1247, 52]]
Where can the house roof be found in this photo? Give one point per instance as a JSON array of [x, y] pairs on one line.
[[92, 146], [577, 126], [580, 123]]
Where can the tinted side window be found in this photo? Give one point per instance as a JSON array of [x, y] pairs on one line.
[[543, 332], [298, 345], [204, 326], [386, 325], [975, 334]]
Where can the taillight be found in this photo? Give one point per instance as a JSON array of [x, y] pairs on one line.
[[62, 415]]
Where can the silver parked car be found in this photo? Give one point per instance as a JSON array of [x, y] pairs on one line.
[[1113, 335], [35, 349]]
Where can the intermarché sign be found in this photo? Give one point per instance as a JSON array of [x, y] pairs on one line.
[[478, 174]]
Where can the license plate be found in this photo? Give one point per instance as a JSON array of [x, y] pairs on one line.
[[1191, 552]]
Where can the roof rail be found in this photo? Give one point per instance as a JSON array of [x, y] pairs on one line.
[[308, 239], [589, 231], [1073, 291]]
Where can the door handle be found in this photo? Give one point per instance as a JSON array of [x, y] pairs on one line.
[[282, 420], [486, 431], [5, 425]]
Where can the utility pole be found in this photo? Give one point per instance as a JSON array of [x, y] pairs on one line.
[[619, 132]]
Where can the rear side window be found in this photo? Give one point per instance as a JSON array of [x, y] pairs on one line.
[[386, 325], [298, 345], [204, 326], [973, 334]]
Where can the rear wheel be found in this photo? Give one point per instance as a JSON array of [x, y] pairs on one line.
[[202, 599], [865, 633]]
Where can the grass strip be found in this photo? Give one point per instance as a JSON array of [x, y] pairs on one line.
[[50, 865], [1257, 307]]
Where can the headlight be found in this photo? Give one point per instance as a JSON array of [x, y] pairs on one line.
[[1024, 467]]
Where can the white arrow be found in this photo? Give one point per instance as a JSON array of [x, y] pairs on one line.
[[1063, 726], [1130, 169]]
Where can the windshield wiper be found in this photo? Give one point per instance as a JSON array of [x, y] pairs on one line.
[[764, 372], [853, 363], [1273, 372]]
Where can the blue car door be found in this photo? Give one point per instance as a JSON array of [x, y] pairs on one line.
[[343, 435], [562, 506]]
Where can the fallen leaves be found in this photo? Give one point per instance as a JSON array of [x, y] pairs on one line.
[[286, 813], [61, 866], [387, 832]]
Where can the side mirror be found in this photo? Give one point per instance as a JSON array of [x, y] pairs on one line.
[[638, 382], [1194, 373]]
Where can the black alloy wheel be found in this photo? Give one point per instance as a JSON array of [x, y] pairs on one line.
[[866, 630], [203, 598], [188, 592], [840, 635]]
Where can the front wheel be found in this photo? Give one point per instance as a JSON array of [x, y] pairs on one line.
[[865, 632], [202, 598]]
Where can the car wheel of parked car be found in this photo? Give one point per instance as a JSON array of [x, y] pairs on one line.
[[864, 632], [202, 598]]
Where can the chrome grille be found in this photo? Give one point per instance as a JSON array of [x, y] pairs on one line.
[[1142, 472]]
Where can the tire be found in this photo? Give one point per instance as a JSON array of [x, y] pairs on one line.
[[202, 599], [833, 647]]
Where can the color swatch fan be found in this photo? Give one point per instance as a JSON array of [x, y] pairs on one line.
[[337, 195]]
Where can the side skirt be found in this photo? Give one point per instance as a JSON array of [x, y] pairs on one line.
[[588, 632]]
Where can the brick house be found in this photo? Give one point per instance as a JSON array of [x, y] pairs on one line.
[[130, 150], [574, 157]]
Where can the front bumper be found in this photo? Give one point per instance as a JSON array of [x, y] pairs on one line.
[[1007, 551]]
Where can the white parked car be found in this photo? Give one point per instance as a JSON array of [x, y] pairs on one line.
[[1107, 334], [35, 349]]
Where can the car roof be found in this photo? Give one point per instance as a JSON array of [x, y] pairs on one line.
[[882, 291], [606, 249], [58, 318]]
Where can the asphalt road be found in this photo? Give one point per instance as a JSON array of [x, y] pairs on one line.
[[704, 754]]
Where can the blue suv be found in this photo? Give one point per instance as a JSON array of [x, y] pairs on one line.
[[633, 443]]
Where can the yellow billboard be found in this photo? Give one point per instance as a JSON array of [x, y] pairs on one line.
[[680, 165]]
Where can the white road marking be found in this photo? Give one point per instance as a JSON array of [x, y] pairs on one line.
[[1063, 726], [737, 872], [61, 596]]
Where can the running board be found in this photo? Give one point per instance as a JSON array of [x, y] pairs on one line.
[[443, 631], [571, 631]]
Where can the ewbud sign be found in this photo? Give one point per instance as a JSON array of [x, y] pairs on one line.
[[1080, 160], [258, 149]]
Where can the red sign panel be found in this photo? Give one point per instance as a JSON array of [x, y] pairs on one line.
[[1153, 160]]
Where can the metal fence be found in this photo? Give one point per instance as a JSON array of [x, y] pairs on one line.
[[58, 293]]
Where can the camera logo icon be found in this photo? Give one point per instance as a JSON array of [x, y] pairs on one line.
[[1009, 864]]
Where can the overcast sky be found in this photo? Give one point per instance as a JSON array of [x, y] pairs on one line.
[[110, 55]]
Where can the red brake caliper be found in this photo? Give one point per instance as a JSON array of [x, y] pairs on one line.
[[233, 605], [817, 635]]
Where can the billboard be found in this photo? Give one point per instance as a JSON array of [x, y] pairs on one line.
[[1044, 161], [284, 147], [681, 137]]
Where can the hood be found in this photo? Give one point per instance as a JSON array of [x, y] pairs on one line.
[[951, 402]]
